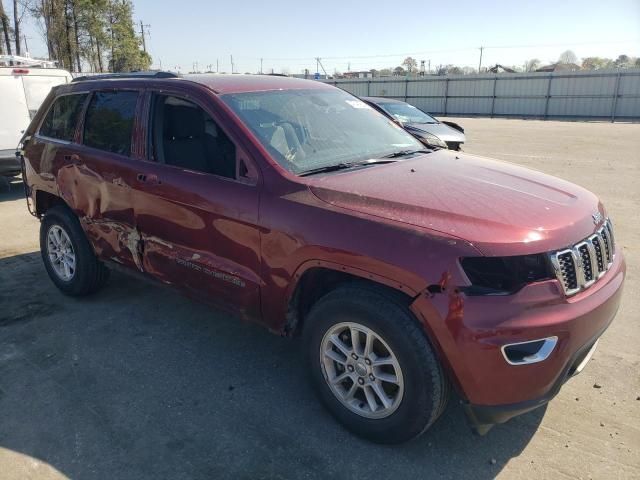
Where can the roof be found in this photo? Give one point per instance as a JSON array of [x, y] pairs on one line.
[[222, 84], [218, 83], [559, 67], [379, 100]]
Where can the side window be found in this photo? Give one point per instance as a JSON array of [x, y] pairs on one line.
[[185, 136], [108, 123], [60, 123]]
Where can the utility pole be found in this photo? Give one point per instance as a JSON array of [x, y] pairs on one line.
[[231, 63], [480, 63], [429, 68], [216, 65], [142, 34], [261, 65]]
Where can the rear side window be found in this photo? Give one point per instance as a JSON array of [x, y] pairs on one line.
[[108, 123], [60, 123]]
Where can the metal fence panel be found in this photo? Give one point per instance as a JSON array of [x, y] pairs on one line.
[[603, 94], [527, 107], [428, 104], [427, 88], [628, 109], [473, 106], [477, 87], [516, 87], [579, 107], [387, 89]]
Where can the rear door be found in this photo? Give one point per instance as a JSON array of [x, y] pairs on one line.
[[100, 172], [196, 210]]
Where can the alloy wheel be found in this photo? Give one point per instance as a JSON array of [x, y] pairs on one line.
[[61, 254], [361, 370]]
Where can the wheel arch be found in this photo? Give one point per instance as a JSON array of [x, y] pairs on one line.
[[315, 278], [45, 200]]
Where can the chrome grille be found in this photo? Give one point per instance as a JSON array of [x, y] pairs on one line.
[[585, 262]]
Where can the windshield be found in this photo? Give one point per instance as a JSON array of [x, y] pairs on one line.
[[310, 129], [405, 113]]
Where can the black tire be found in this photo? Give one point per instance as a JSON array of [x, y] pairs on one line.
[[426, 388], [90, 274]]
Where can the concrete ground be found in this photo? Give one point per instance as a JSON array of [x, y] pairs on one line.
[[138, 382]]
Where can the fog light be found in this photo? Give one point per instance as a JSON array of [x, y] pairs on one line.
[[525, 353]]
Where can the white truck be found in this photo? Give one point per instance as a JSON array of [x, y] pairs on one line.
[[23, 88]]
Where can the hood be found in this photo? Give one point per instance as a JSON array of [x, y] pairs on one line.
[[501, 208], [440, 130]]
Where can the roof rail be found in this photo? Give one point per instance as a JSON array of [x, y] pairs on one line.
[[117, 76]]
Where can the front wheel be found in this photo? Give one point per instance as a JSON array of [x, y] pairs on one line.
[[373, 366]]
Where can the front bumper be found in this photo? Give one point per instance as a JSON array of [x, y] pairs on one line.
[[483, 417], [9, 164], [470, 331]]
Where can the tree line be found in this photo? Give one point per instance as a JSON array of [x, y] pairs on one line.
[[81, 35], [567, 58]]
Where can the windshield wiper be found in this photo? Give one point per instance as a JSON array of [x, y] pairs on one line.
[[343, 166], [404, 153]]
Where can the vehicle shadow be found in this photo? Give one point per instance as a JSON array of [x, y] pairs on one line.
[[139, 382]]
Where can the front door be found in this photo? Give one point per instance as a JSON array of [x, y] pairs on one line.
[[197, 219]]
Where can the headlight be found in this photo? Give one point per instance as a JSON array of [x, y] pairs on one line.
[[504, 275], [431, 139]]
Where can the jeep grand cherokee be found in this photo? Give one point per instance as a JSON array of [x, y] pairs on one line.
[[405, 271]]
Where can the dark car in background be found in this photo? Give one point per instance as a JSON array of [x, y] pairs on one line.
[[421, 125]]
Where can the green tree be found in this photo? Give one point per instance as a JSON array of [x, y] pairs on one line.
[[623, 61], [596, 63], [532, 65], [567, 57], [125, 53], [410, 63], [95, 33], [4, 23]]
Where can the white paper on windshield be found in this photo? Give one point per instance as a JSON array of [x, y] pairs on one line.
[[357, 104]]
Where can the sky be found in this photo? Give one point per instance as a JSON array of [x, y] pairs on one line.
[[289, 34]]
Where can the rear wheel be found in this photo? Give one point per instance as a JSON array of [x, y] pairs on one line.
[[67, 254], [373, 365]]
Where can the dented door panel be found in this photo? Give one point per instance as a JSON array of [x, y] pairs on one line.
[[99, 186], [200, 233]]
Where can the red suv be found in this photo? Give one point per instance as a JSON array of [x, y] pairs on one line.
[[404, 271]]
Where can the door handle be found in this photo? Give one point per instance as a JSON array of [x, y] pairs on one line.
[[149, 179], [74, 159]]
